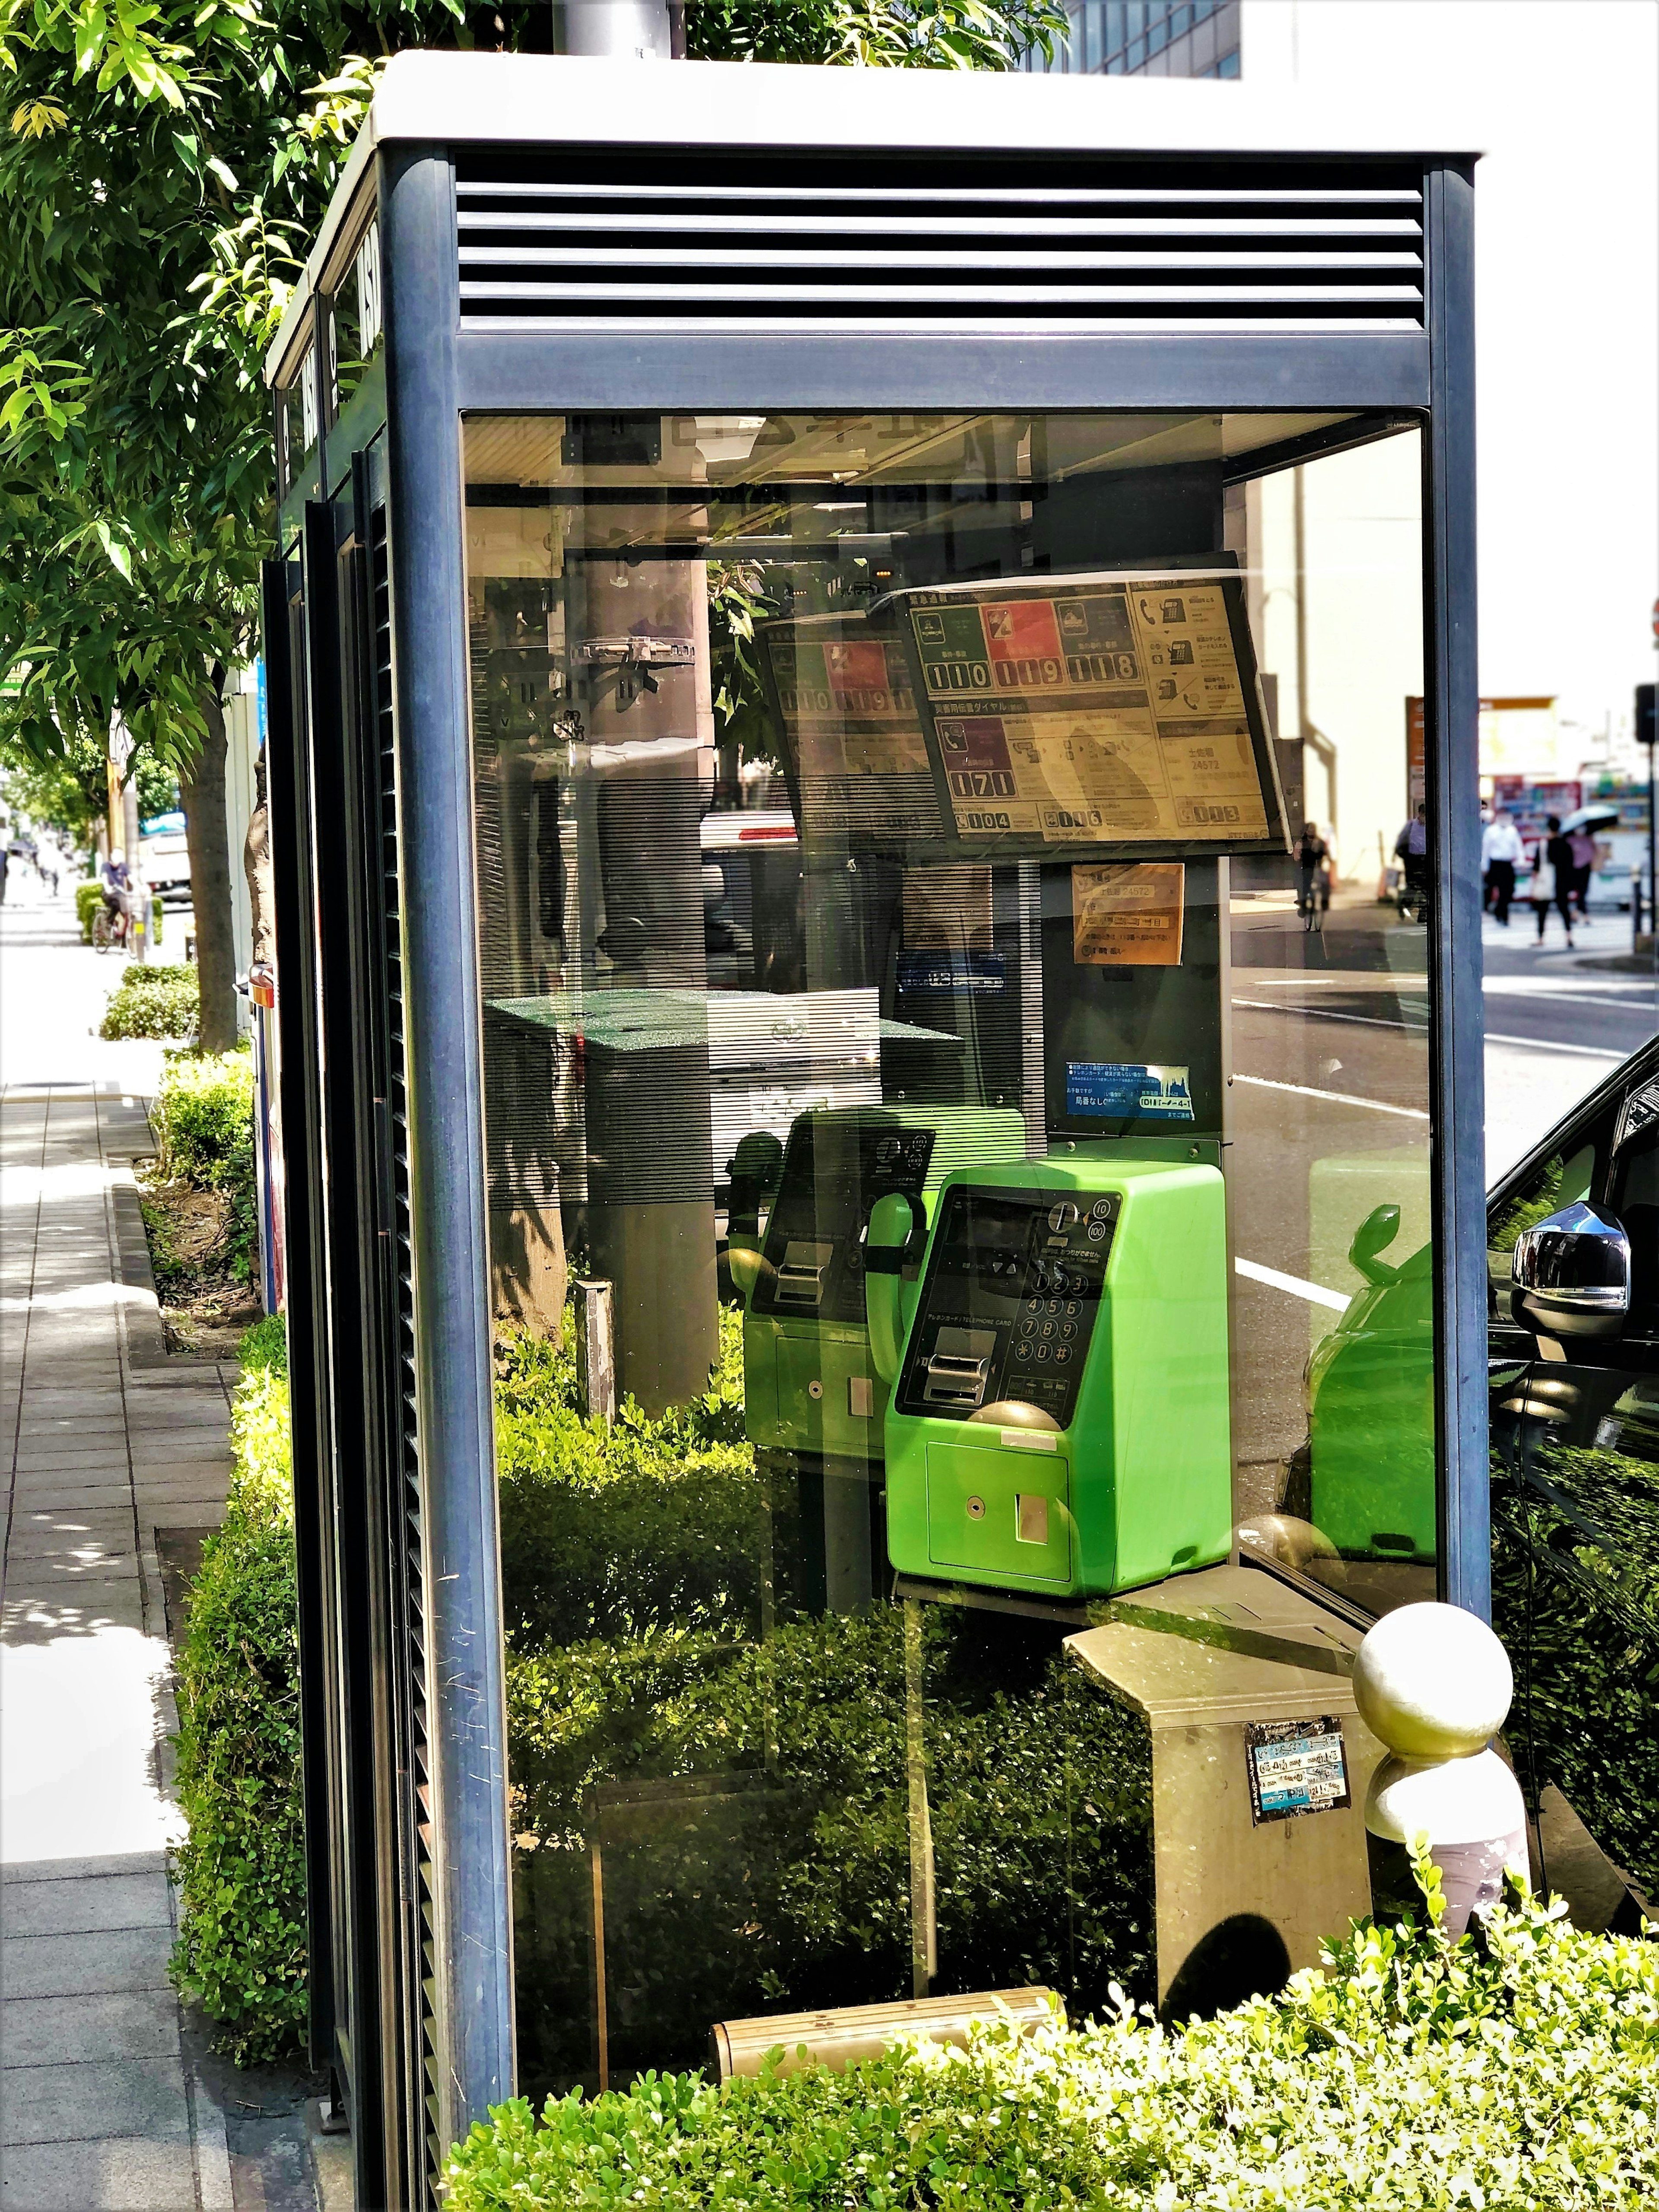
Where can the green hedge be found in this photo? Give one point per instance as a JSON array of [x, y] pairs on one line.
[[89, 897], [154, 1001], [1516, 2069], [241, 1948], [203, 1121]]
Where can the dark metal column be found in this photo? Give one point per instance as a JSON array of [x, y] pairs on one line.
[[472, 1953], [290, 843], [1457, 1018]]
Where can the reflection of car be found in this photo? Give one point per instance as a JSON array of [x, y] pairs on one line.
[[164, 857], [1573, 1341]]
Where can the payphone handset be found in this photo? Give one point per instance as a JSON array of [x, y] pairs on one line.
[[810, 1382], [1058, 1421]]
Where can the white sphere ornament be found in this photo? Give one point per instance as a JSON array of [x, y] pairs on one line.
[[1432, 1682]]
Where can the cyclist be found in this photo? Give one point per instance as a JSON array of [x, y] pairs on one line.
[[117, 881], [1313, 875]]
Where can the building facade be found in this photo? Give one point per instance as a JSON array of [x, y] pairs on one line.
[[1149, 38]]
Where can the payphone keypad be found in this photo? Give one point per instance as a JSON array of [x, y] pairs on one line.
[[1008, 1307], [832, 1178]]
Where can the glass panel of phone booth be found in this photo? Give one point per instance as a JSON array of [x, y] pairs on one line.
[[1011, 905]]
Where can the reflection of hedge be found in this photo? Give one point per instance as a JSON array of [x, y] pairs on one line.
[[1576, 1600], [747, 1791]]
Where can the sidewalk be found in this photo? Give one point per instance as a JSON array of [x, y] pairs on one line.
[[107, 1440]]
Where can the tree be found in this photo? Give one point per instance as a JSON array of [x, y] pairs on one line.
[[163, 164]]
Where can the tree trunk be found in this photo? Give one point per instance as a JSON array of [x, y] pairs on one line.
[[202, 789]]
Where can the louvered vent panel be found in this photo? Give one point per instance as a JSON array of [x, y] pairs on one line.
[[719, 243], [411, 1563]]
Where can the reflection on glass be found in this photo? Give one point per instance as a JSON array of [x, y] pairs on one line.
[[868, 808], [1576, 1516]]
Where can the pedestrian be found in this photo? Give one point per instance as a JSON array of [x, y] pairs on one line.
[[1551, 878], [1501, 852], [1313, 871], [5, 864], [1584, 868], [1411, 849]]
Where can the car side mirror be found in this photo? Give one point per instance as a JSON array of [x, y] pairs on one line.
[[1572, 1274], [1374, 1234]]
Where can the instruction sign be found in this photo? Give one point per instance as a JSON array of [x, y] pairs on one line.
[[1094, 711], [1115, 1091], [1296, 1767], [841, 693], [1129, 914]]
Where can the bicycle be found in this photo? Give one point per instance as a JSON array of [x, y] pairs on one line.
[[109, 932]]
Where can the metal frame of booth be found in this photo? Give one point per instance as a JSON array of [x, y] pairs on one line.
[[381, 1076]]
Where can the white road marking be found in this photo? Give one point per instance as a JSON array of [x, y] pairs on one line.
[[1550, 1044], [1326, 1014], [1420, 1029], [1314, 1293], [1336, 1097]]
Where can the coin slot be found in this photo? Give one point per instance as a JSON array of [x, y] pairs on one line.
[[1030, 1518]]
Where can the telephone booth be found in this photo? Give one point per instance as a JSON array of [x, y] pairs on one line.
[[856, 1114]]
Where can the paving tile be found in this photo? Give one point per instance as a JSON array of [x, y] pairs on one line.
[[27, 1496], [32, 1617], [126, 2024], [25, 1872], [138, 2098], [118, 2174], [85, 1964], [53, 1460], [84, 1904], [177, 1449]]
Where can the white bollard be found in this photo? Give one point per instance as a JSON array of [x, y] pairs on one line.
[[1433, 1684]]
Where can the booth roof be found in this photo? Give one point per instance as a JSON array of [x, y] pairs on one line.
[[552, 100]]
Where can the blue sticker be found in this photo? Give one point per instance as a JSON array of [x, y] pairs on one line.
[[956, 974], [1117, 1090]]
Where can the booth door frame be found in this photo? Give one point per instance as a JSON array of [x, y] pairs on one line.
[[435, 373], [357, 1521]]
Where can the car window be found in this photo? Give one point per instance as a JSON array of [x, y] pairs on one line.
[[1555, 1183], [1634, 1199]]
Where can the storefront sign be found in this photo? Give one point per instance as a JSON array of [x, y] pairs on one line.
[[1296, 1767], [1119, 1091], [1130, 915]]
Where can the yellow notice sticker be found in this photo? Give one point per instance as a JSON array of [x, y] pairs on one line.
[[1129, 916]]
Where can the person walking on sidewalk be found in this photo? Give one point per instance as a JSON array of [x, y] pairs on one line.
[[1501, 853], [1584, 868], [1551, 878]]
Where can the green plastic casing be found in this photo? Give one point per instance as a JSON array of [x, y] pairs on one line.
[[804, 1379], [1138, 1484]]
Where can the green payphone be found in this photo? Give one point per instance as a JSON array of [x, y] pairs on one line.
[[809, 1382], [1059, 1418]]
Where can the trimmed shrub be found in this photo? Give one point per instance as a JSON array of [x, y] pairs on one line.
[[153, 1001], [1515, 2068], [89, 897], [202, 1119], [241, 1948]]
